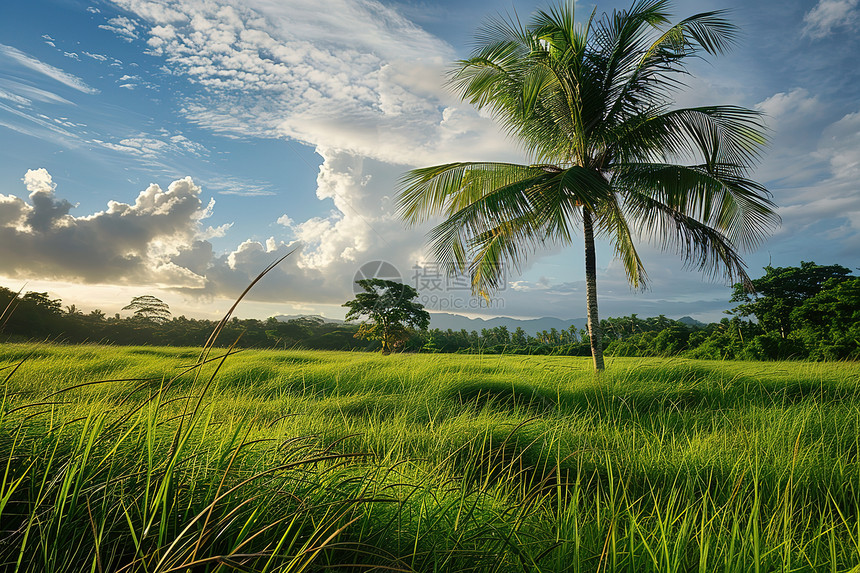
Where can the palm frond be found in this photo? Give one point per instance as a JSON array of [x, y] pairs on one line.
[[497, 213], [473, 246], [737, 207], [641, 72], [432, 191], [611, 223], [711, 31], [698, 244], [718, 136]]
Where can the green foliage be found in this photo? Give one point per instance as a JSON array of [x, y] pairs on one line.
[[287, 461], [771, 346], [828, 322], [783, 289], [28, 317], [391, 310], [41, 301], [810, 311], [148, 308], [34, 312]]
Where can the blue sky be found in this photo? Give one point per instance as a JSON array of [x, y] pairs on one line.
[[176, 148]]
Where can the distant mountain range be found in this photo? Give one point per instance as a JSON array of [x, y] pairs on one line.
[[446, 320], [287, 317], [690, 321]]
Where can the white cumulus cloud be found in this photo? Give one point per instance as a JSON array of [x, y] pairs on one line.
[[128, 243], [160, 240]]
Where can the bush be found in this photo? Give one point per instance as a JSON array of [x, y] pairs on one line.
[[771, 346]]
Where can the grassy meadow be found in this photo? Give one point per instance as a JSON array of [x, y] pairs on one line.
[[134, 459]]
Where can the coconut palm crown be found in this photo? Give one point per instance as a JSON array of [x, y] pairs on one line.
[[592, 105]]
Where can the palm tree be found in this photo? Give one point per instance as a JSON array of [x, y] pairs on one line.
[[591, 105]]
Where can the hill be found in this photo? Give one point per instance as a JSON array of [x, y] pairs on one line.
[[445, 320]]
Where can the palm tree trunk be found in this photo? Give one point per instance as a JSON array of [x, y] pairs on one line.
[[595, 335]]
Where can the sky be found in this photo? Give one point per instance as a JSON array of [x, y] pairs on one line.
[[177, 147]]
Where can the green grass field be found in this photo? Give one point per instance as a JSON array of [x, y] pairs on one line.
[[131, 459]]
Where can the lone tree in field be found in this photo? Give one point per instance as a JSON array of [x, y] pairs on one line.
[[149, 309], [591, 104], [389, 307]]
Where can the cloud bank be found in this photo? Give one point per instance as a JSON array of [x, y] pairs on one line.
[[126, 243], [160, 239]]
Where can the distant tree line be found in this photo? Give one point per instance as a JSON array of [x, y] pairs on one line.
[[36, 316], [806, 312]]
